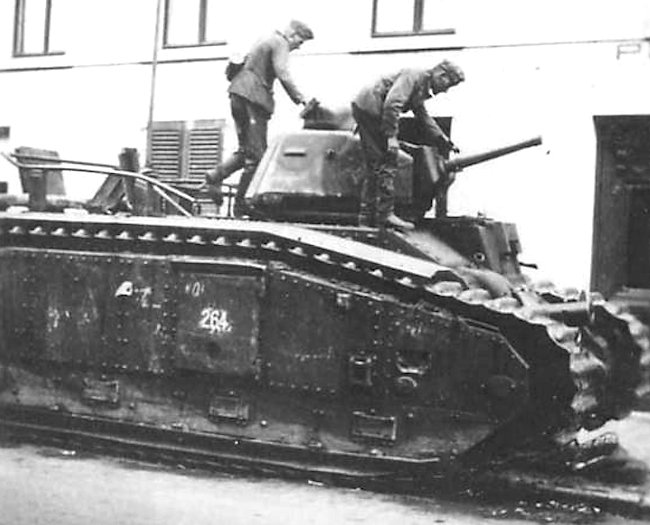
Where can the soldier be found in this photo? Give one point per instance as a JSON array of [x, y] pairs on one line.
[[376, 110], [252, 104]]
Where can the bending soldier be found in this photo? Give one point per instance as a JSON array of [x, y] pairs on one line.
[[252, 104], [376, 110]]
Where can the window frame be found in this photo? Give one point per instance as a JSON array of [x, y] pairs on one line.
[[201, 34], [418, 11], [19, 32]]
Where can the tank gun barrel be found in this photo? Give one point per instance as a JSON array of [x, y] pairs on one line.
[[464, 161]]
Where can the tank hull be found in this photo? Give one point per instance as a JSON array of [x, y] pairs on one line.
[[233, 331], [271, 348]]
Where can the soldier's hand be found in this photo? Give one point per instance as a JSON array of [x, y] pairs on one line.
[[309, 106], [447, 145], [393, 147]]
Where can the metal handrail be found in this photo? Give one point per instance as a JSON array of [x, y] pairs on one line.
[[57, 160], [89, 167]]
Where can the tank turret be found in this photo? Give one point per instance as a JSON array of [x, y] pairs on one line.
[[315, 176]]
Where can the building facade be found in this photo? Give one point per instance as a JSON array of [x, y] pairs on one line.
[[88, 78]]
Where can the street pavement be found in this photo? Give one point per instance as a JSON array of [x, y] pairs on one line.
[[67, 487]]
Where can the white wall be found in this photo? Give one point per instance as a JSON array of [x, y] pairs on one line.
[[542, 67]]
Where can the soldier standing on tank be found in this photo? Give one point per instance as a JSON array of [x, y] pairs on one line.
[[252, 104], [376, 110]]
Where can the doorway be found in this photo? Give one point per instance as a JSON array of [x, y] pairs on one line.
[[621, 242]]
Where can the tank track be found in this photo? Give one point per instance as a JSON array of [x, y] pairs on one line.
[[608, 358], [625, 377]]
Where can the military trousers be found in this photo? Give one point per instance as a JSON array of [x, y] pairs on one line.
[[378, 182], [251, 125]]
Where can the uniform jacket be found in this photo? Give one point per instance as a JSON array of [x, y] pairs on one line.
[[398, 93], [266, 61]]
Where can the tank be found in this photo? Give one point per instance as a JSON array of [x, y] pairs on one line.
[[294, 341]]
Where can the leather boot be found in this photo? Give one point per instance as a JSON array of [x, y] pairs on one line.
[[213, 176], [393, 221], [214, 192], [213, 180]]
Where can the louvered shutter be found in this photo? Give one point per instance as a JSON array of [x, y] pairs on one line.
[[183, 151], [166, 144], [204, 149]]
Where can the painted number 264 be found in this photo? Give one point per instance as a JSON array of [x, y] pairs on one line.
[[215, 320]]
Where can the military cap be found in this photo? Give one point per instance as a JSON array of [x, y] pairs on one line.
[[454, 72], [301, 29]]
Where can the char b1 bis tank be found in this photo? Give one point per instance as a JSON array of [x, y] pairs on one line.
[[294, 340]]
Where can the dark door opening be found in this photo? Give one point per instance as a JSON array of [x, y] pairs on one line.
[[621, 242]]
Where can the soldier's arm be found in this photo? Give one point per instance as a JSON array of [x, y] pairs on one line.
[[280, 57], [432, 129], [396, 98]]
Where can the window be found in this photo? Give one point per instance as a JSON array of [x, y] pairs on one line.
[[35, 30], [412, 17], [185, 150], [194, 23]]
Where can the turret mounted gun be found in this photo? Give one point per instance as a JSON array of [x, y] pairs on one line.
[[440, 171]]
